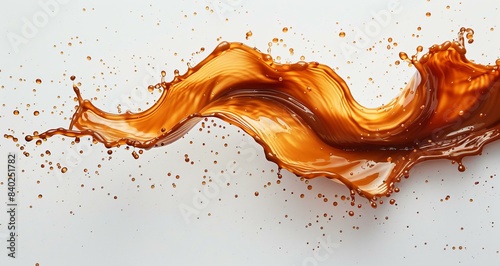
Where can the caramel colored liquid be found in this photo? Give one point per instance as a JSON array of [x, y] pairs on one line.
[[307, 121]]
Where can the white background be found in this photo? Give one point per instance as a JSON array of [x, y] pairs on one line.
[[78, 222]]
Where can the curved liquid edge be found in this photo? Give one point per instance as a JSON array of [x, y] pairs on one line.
[[307, 121]]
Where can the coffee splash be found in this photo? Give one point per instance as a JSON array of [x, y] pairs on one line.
[[307, 121]]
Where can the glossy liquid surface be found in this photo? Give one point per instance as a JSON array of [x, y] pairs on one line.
[[307, 121]]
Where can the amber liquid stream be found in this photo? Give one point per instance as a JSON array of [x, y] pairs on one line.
[[307, 121]]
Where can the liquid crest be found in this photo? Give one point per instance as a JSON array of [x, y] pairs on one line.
[[307, 121]]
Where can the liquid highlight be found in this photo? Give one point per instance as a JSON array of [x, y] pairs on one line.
[[307, 121]]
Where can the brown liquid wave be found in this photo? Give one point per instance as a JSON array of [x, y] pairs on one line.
[[307, 121]]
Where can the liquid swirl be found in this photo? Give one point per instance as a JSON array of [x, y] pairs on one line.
[[308, 122]]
